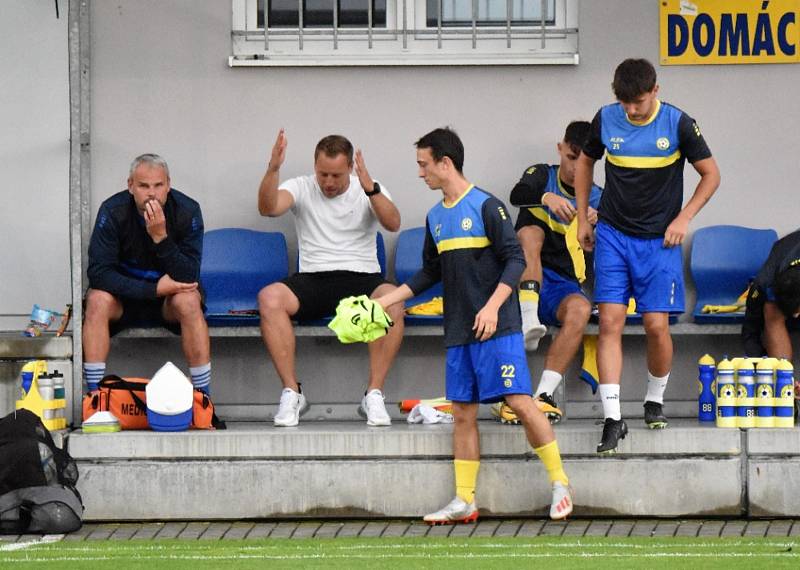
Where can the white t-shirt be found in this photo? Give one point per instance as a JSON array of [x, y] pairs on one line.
[[334, 233]]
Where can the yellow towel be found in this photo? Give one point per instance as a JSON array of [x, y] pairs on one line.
[[589, 373], [737, 307], [433, 307]]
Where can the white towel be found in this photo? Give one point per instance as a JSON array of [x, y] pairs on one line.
[[424, 414]]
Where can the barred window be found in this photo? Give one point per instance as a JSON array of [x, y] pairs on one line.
[[404, 32]]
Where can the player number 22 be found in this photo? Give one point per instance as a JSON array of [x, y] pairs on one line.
[[507, 370]]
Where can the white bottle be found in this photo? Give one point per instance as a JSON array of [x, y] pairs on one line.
[[48, 394]]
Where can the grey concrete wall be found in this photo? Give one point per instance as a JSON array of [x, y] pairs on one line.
[[34, 160], [160, 83]]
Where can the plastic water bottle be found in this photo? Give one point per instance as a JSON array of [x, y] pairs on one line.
[[59, 392], [765, 389], [47, 392], [745, 392], [726, 395], [784, 395], [706, 404]]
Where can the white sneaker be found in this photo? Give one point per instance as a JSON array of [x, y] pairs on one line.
[[561, 506], [456, 511], [532, 329], [373, 408], [292, 406]]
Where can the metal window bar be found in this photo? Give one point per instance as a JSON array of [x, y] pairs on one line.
[[509, 8], [335, 24], [475, 24], [300, 24], [439, 24], [369, 24], [543, 16], [405, 26], [266, 25]]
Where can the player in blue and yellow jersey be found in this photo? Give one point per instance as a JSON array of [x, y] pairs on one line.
[[471, 247], [556, 266], [641, 227]]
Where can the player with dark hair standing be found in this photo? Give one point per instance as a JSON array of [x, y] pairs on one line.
[[471, 247], [641, 227]]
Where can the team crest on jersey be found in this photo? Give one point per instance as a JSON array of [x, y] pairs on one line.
[[437, 231], [663, 143], [466, 224]]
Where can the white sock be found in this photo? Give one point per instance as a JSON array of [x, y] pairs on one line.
[[548, 383], [201, 377], [530, 315], [609, 397], [93, 372], [655, 388]]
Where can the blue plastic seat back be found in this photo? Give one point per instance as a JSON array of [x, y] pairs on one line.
[[407, 261], [724, 260], [237, 264]]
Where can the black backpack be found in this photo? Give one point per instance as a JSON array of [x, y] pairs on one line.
[[37, 479]]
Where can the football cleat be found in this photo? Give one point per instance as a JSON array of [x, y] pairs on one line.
[[561, 505], [613, 431], [654, 415], [456, 511], [503, 413], [548, 407]]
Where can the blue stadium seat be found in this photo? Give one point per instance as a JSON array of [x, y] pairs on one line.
[[237, 264], [407, 261], [723, 262]]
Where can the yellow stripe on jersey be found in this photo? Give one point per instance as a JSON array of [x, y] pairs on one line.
[[643, 161], [552, 223], [570, 232], [462, 243]]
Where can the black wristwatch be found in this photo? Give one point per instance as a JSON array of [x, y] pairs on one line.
[[376, 189]]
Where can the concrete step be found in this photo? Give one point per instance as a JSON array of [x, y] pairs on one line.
[[346, 469]]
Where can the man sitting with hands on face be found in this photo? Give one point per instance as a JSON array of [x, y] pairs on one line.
[[144, 265]]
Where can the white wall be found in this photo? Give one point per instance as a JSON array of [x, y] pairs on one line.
[[160, 83], [34, 159]]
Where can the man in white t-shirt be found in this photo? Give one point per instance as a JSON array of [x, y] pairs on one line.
[[337, 217]]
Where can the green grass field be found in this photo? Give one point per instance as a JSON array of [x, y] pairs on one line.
[[562, 553]]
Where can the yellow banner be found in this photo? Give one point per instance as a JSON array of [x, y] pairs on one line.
[[703, 32]]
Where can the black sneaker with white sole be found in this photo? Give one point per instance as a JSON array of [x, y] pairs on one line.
[[654, 415], [613, 431]]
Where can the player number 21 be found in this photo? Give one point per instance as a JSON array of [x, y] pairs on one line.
[[507, 370]]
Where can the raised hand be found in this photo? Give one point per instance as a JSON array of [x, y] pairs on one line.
[[154, 221], [363, 174]]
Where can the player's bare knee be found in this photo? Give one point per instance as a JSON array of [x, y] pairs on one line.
[[611, 324], [578, 312], [270, 300], [186, 306], [100, 306], [656, 328]]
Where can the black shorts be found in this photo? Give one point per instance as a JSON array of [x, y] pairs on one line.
[[320, 292], [146, 313]]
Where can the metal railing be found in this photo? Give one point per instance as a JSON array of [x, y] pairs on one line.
[[404, 36]]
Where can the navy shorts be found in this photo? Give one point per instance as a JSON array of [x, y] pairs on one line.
[[555, 288], [319, 293], [487, 371], [642, 268]]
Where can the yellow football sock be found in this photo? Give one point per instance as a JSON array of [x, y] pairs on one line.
[[466, 478], [551, 458], [589, 372], [528, 295]]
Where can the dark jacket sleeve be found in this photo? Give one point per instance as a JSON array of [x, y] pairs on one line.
[[594, 147], [504, 241], [104, 262], [181, 258], [431, 272], [531, 187], [753, 325]]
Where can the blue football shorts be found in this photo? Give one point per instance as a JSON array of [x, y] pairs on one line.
[[487, 371], [555, 288], [642, 268]]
